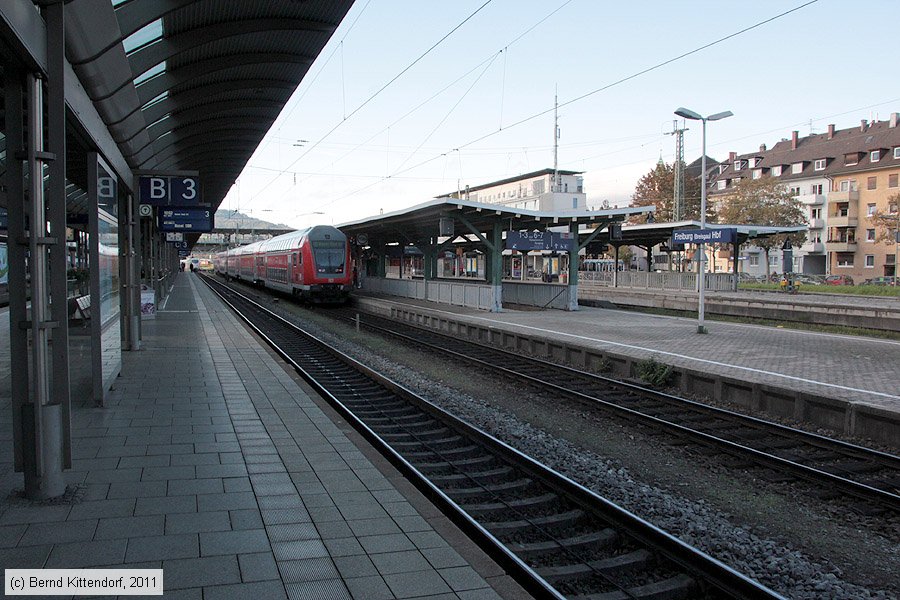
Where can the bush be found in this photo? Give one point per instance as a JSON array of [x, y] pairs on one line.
[[653, 372]]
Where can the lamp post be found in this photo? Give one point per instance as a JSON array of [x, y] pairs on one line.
[[689, 114]]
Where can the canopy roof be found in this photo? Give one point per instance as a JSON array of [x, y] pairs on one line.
[[651, 234], [194, 85], [420, 222]]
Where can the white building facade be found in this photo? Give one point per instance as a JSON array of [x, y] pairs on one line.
[[532, 191]]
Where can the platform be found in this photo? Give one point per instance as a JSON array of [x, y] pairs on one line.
[[847, 383], [215, 464]]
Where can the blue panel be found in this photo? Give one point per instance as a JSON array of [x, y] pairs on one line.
[[186, 219]]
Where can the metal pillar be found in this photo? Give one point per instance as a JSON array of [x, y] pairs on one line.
[[54, 15], [131, 288], [573, 268], [495, 250], [38, 426]]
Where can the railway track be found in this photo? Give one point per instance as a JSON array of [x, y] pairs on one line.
[[557, 538], [839, 469]]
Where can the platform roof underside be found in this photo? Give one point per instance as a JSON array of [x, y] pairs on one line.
[[194, 85], [420, 223]]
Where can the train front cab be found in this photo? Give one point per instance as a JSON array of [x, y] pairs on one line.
[[324, 269]]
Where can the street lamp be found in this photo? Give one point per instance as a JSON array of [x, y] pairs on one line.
[[689, 114]]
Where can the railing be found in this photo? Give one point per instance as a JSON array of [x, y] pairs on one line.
[[666, 280]]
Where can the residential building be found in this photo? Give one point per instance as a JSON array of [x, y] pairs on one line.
[[531, 191], [841, 178]]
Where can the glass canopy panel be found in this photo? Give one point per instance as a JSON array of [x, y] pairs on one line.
[[142, 37], [152, 72]]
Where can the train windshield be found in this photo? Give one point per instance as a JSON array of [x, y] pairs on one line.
[[329, 255]]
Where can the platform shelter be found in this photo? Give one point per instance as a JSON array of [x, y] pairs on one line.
[[648, 236], [478, 255], [124, 125]]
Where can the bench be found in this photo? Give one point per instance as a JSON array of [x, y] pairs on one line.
[[81, 305]]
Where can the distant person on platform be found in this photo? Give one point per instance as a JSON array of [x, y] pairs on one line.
[[192, 267]]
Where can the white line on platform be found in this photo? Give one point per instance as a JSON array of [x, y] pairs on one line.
[[676, 355]]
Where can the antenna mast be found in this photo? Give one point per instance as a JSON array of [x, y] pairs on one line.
[[555, 143]]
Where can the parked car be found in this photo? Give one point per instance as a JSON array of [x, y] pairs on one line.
[[810, 279], [888, 280], [838, 280]]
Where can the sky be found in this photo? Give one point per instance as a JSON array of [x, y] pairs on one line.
[[395, 111]]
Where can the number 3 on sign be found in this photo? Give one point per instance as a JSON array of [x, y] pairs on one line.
[[190, 189]]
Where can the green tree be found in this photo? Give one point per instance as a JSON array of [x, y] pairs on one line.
[[657, 188], [763, 202], [887, 223]]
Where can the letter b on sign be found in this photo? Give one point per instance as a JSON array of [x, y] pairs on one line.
[[158, 188]]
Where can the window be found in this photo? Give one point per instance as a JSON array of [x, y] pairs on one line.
[[870, 261], [892, 180], [773, 260], [870, 235], [897, 152], [537, 187], [720, 185], [870, 210], [871, 183], [814, 213], [795, 191], [737, 167], [816, 188], [851, 159], [754, 261], [776, 171], [575, 205], [819, 165], [874, 156], [844, 259], [797, 168], [756, 174]]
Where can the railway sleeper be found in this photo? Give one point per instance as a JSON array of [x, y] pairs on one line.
[[673, 588], [475, 461], [490, 491], [521, 503], [592, 540], [452, 441], [428, 454], [450, 478], [640, 559], [563, 519]]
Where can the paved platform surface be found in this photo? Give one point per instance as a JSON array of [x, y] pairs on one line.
[[852, 368], [214, 464]]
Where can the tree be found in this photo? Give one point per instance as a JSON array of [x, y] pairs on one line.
[[657, 188], [887, 223], [763, 202]]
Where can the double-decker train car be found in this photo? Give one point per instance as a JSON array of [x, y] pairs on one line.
[[313, 264]]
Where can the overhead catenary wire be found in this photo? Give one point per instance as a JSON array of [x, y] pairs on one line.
[[381, 89], [587, 95]]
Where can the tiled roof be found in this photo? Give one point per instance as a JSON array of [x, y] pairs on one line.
[[859, 139]]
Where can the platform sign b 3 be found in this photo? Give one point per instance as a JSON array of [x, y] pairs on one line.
[[165, 190]]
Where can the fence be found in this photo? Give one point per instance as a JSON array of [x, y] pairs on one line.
[[666, 280]]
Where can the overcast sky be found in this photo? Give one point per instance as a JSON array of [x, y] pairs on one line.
[[455, 117]]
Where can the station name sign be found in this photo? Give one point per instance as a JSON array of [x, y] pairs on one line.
[[186, 219], [525, 241], [169, 190], [681, 237]]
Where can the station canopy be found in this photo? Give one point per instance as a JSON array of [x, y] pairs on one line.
[[420, 223], [194, 85], [651, 234]]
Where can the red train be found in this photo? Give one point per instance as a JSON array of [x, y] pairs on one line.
[[313, 264]]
